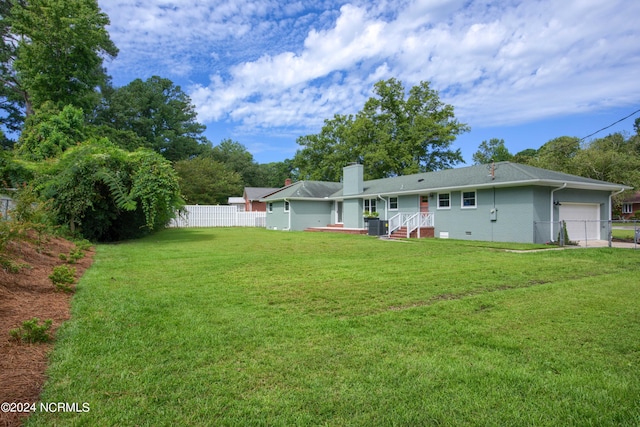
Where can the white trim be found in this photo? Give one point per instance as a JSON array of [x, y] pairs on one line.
[[475, 200], [397, 203], [438, 207]]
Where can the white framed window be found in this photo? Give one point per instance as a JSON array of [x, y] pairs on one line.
[[286, 206], [393, 203], [444, 200], [370, 205], [270, 207], [468, 200], [627, 208]]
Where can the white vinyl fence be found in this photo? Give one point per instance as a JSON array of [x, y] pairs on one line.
[[217, 216]]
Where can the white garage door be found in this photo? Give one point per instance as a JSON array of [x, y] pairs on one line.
[[582, 220]]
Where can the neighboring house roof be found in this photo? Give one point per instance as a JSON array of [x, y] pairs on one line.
[[257, 193], [307, 190], [505, 174], [236, 201], [633, 199]]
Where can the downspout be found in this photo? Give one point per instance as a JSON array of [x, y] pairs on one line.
[[611, 213], [288, 214], [386, 214], [551, 208]]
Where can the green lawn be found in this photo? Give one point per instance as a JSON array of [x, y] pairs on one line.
[[255, 327]]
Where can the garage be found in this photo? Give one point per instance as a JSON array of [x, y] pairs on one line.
[[582, 219]]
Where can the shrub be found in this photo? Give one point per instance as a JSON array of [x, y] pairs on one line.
[[62, 277], [32, 331]]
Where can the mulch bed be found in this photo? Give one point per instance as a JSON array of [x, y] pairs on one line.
[[23, 296]]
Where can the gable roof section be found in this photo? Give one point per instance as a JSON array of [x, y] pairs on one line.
[[257, 193], [306, 190]]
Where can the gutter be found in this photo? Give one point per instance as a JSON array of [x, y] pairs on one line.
[[551, 210]]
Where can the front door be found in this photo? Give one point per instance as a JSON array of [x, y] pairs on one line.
[[338, 212], [424, 203]]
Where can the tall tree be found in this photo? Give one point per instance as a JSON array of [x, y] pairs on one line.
[[157, 111], [206, 181], [12, 96], [394, 134], [59, 50], [236, 157], [493, 150], [558, 154]]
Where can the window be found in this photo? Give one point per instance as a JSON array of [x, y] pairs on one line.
[[370, 205], [270, 207], [468, 199], [444, 200], [286, 206], [393, 203], [627, 208]]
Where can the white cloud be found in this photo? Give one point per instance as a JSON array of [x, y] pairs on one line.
[[274, 64]]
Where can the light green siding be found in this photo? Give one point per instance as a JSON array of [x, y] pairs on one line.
[[512, 220], [277, 218], [305, 214], [353, 209]]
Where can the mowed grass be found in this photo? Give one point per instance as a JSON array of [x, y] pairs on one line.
[[254, 327]]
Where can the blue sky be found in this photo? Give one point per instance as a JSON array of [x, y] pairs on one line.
[[264, 72]]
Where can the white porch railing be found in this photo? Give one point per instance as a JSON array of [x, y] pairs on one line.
[[412, 221]]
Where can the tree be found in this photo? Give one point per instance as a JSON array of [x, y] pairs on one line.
[[158, 112], [613, 158], [59, 49], [206, 181], [277, 173], [49, 132], [236, 157], [392, 135], [110, 194], [11, 95], [492, 151], [557, 154]]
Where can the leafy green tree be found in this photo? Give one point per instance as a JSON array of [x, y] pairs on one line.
[[49, 132], [12, 97], [276, 173], [525, 156], [492, 151], [59, 52], [107, 193], [206, 181], [236, 157], [558, 154], [159, 112], [394, 134], [613, 158]]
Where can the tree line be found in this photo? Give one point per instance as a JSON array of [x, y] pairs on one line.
[[111, 162], [117, 162]]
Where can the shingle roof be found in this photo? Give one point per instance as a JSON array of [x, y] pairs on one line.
[[307, 190], [505, 174], [256, 193]]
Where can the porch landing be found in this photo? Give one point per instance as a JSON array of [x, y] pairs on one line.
[[337, 228]]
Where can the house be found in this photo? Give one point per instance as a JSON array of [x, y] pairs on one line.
[[238, 202], [500, 202], [631, 207], [252, 196]]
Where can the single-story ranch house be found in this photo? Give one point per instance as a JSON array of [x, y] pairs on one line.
[[504, 201]]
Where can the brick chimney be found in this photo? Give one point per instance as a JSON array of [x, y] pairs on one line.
[[287, 182]]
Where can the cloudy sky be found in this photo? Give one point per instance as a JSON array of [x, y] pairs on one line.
[[265, 72]]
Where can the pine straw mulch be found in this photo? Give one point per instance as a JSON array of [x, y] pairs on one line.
[[23, 296]]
